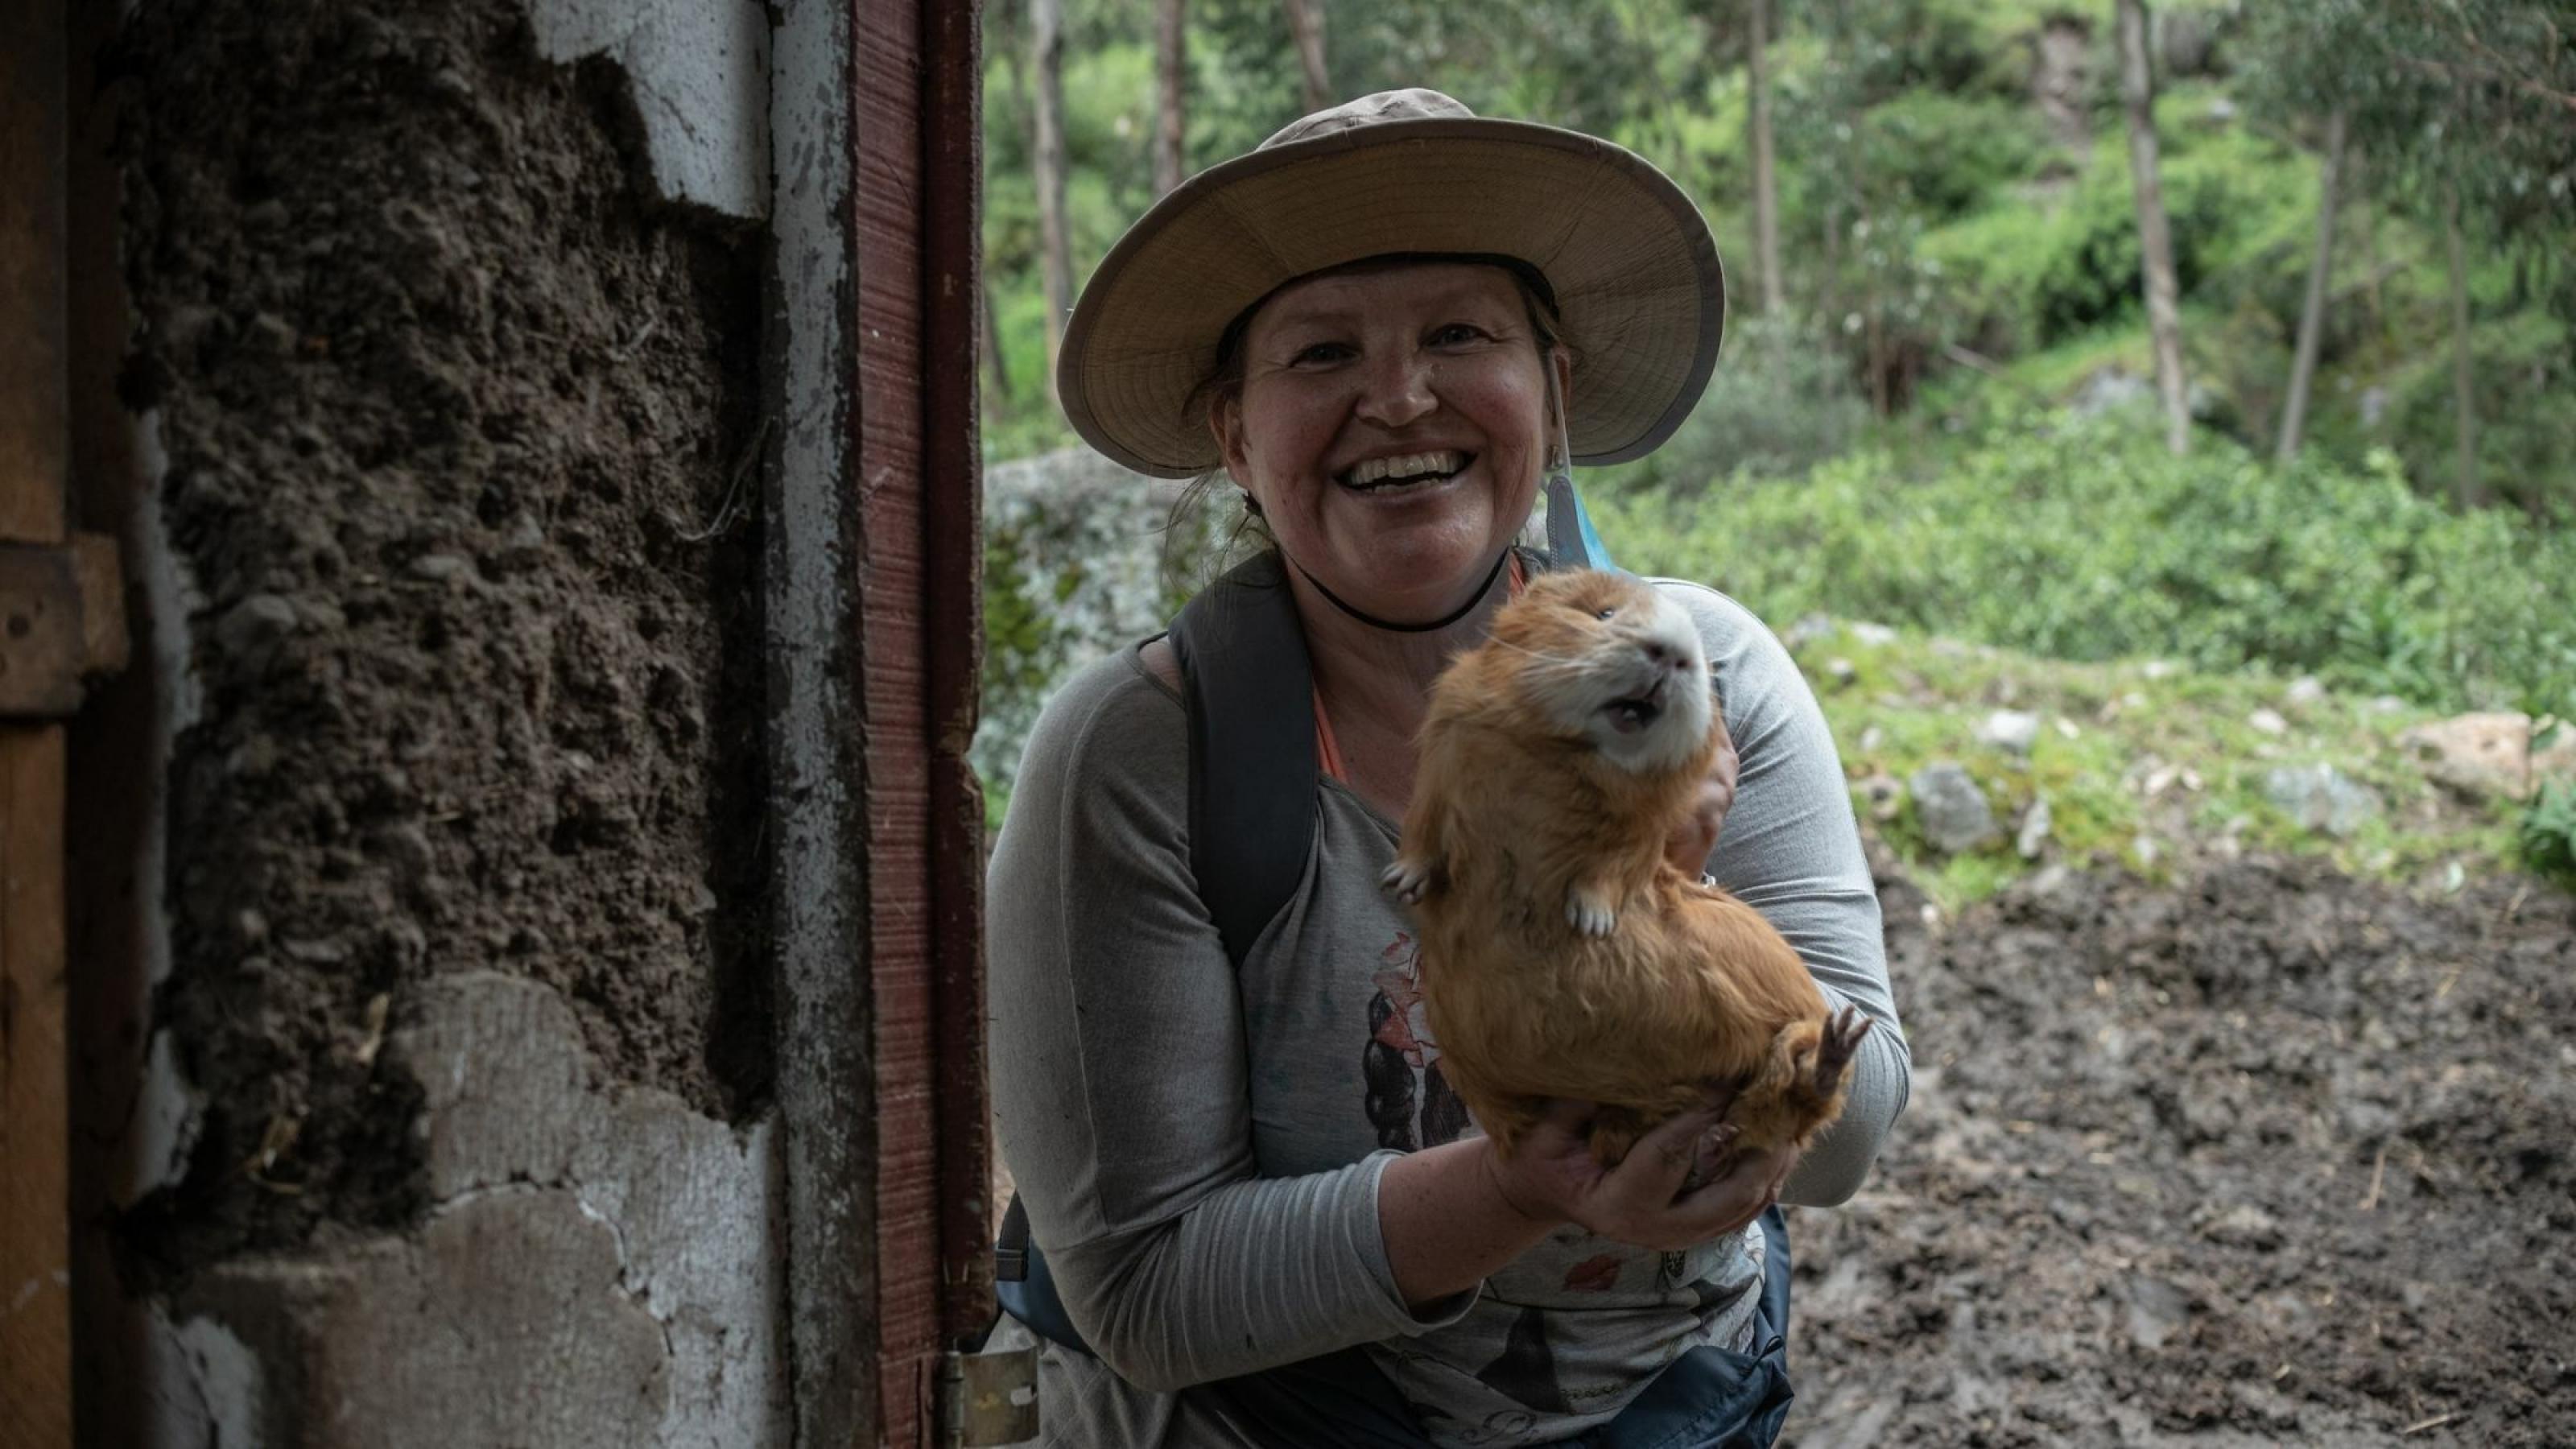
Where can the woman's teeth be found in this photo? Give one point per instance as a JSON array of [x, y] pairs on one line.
[[1407, 468]]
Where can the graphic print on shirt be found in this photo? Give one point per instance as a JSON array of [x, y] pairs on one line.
[[1409, 1102]]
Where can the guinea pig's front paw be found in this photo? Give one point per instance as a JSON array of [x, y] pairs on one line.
[[1407, 880], [1588, 914]]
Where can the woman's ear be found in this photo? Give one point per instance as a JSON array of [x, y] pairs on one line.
[[1225, 424]]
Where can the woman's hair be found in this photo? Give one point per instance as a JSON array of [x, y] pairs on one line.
[[1188, 564]]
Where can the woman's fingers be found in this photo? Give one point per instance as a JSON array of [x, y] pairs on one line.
[[1750, 1184], [1655, 1170]]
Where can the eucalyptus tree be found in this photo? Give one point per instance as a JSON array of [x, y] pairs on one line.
[[2465, 111], [2155, 243]]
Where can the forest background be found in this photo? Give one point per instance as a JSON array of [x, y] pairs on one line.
[[2236, 338]]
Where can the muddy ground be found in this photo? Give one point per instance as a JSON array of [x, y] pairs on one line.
[[2275, 1156]]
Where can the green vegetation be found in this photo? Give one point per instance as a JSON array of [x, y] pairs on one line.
[[1936, 216], [2141, 762], [2088, 542]]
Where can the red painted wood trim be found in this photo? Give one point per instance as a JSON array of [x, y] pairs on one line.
[[920, 635]]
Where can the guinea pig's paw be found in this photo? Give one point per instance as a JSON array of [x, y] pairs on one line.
[[1589, 914], [1843, 1032], [1406, 880]]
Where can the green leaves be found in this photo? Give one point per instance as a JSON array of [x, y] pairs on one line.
[[2085, 541]]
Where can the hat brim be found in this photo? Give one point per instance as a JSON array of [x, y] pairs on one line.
[[1636, 274]]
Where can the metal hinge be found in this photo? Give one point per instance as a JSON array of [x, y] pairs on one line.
[[62, 624], [988, 1399]]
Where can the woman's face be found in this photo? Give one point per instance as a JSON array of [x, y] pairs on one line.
[[1392, 426]]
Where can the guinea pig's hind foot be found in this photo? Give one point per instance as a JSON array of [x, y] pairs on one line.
[[1408, 880], [1841, 1039]]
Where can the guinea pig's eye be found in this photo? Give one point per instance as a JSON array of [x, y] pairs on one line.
[[1606, 613]]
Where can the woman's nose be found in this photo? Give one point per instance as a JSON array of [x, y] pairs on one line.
[[1395, 391]]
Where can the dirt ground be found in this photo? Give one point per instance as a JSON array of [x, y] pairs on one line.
[[2274, 1156]]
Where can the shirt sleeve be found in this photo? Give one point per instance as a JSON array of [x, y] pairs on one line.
[[1119, 1073], [1791, 849]]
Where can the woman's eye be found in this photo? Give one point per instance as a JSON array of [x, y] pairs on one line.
[[1317, 352], [1455, 333]]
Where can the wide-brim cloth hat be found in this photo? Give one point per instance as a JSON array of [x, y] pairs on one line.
[[1635, 273]]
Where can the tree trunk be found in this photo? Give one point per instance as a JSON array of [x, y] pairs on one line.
[[1766, 196], [997, 372], [2312, 314], [1306, 26], [1170, 58], [1046, 41], [2464, 397], [2155, 244]]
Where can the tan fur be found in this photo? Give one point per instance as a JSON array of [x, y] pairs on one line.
[[1691, 987]]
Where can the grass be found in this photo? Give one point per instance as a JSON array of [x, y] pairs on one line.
[[2144, 764]]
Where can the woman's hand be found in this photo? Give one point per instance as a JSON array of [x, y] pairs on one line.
[[1690, 843], [1683, 1184]]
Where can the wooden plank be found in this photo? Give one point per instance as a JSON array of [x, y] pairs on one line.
[[35, 415], [896, 772], [43, 646], [35, 1217], [35, 409], [952, 111]]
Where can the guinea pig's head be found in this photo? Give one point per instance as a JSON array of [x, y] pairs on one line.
[[1606, 658]]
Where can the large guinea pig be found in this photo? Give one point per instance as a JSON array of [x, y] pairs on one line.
[[1562, 955]]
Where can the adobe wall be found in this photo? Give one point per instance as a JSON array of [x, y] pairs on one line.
[[423, 1078]]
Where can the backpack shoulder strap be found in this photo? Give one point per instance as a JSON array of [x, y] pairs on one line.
[[1250, 695], [1249, 692]]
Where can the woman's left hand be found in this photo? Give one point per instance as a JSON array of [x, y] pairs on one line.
[[1690, 843]]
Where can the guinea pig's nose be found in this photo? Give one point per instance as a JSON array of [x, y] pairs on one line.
[[1662, 655]]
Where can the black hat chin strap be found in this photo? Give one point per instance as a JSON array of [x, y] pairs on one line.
[[1389, 625]]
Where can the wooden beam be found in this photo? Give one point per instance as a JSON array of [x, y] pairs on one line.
[[35, 1220], [35, 409], [35, 440]]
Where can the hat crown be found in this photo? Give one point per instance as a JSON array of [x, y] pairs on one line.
[[1416, 104]]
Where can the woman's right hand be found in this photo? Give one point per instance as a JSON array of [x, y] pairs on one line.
[[1681, 1185]]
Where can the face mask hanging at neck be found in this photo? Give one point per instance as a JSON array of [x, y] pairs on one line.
[[1571, 539]]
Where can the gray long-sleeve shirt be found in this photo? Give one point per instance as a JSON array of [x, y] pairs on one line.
[[1199, 1147]]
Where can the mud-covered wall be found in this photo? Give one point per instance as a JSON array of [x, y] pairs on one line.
[[440, 1057]]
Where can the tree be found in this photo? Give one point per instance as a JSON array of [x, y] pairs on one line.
[[2155, 243], [1170, 58], [2465, 484], [2466, 111], [1766, 191], [1306, 27], [1046, 40], [2303, 366]]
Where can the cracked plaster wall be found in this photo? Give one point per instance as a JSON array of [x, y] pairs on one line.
[[597, 1262]]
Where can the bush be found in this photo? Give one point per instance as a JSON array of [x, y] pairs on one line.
[[2088, 542], [1951, 152], [1781, 401]]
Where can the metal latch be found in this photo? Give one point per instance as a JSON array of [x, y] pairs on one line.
[[988, 1398]]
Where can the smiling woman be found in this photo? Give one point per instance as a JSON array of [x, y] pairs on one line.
[[1268, 1214]]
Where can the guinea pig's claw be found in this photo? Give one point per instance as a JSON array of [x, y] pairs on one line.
[[1588, 916], [1841, 1039], [1406, 880]]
